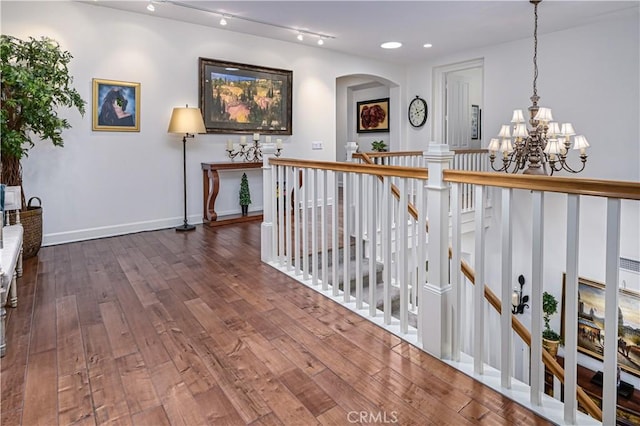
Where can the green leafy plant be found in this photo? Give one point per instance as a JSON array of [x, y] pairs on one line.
[[378, 146], [245, 195], [35, 84], [549, 307]]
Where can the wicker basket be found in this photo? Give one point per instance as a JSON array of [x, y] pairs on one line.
[[31, 220]]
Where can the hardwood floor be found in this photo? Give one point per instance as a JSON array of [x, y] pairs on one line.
[[191, 328]]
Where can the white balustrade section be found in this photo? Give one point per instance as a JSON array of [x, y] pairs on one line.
[[371, 219]]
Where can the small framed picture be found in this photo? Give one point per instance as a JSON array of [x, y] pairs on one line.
[[116, 106], [373, 116], [475, 122]]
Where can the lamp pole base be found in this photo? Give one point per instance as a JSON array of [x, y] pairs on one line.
[[185, 227]]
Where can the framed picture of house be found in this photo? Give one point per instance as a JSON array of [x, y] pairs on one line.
[[116, 106], [373, 116], [241, 98], [591, 300]]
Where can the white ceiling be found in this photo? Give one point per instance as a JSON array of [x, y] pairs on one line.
[[359, 27]]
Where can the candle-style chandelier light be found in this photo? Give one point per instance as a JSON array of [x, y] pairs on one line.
[[541, 149]]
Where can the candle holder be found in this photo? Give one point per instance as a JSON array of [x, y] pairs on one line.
[[518, 301], [249, 153]]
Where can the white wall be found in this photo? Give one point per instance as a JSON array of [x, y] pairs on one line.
[[105, 183]]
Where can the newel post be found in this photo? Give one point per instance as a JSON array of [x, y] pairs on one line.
[[268, 195], [352, 148], [436, 317]]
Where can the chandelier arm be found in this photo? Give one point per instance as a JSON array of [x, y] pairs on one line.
[[565, 165]]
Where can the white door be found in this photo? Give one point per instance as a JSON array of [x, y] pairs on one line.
[[457, 118]]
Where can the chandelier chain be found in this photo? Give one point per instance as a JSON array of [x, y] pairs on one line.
[[535, 50]]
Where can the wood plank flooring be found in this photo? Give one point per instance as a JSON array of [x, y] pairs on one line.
[[167, 328]]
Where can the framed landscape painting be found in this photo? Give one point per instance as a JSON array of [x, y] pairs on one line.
[[116, 106], [240, 98], [591, 304]]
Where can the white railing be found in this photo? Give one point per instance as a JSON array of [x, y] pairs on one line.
[[389, 250]]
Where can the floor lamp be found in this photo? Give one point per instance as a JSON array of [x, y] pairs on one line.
[[187, 121]]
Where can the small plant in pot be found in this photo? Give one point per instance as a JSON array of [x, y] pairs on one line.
[[550, 339], [245, 195], [35, 84], [379, 146]]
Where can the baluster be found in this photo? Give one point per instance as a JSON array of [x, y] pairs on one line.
[[289, 206], [571, 309], [386, 242], [314, 226], [358, 190], [335, 229], [478, 289], [323, 225], [346, 234], [280, 215], [456, 272], [297, 173], [506, 340], [612, 272], [401, 248], [537, 379], [373, 281], [305, 224]]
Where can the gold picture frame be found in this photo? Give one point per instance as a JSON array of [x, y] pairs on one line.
[[591, 323], [116, 106]]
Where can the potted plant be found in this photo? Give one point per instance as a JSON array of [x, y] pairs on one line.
[[35, 84], [379, 146], [550, 339], [245, 195]]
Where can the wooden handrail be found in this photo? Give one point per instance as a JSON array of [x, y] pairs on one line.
[[375, 154], [370, 169], [595, 187]]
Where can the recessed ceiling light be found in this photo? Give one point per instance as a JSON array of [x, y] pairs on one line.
[[151, 7], [300, 37], [223, 21], [427, 45], [320, 42], [391, 45]]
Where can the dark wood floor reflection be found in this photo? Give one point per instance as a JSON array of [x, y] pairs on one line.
[[191, 328]]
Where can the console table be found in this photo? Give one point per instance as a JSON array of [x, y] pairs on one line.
[[211, 187]]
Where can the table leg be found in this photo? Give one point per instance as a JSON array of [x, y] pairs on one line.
[[213, 187]]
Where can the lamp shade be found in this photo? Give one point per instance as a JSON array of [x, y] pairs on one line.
[[506, 146], [580, 142], [518, 116], [505, 131], [567, 129], [186, 120], [544, 115], [520, 131], [554, 129], [494, 145], [552, 147]]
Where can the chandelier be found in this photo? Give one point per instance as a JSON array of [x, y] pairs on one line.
[[542, 148]]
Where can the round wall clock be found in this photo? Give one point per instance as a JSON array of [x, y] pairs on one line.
[[418, 112]]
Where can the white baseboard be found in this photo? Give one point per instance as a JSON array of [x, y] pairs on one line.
[[114, 230]]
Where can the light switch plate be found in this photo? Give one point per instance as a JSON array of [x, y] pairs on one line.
[[316, 145]]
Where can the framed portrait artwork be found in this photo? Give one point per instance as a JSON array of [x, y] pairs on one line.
[[116, 106], [591, 302], [241, 98], [373, 116]]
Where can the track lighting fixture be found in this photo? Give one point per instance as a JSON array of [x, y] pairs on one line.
[[223, 21], [151, 7]]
